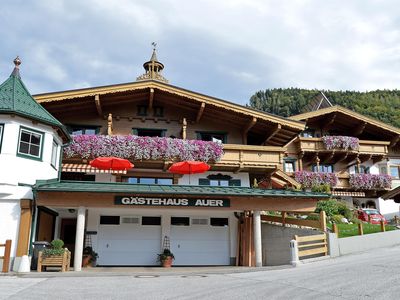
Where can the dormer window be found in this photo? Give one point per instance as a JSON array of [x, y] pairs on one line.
[[30, 143]]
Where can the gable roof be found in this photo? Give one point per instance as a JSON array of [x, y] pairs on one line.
[[320, 101], [348, 112], [153, 84], [16, 99]]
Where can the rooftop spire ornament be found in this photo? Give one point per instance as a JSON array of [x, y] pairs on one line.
[[17, 63], [153, 68]]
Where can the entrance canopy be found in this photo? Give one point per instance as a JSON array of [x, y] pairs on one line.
[[105, 194]]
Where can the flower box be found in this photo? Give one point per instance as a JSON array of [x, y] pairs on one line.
[[311, 179], [143, 148], [341, 142], [370, 181]]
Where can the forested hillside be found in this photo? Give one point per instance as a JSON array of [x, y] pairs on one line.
[[383, 105]]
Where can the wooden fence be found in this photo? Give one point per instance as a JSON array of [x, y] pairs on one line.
[[285, 219], [6, 256], [311, 245], [360, 226]]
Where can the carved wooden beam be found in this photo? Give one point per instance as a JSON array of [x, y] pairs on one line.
[[379, 158], [249, 125], [151, 99], [394, 140], [98, 105], [359, 129], [343, 157], [200, 112], [272, 133], [328, 123], [365, 158], [329, 157]]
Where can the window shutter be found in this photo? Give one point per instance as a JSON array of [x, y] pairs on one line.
[[235, 182], [204, 181]]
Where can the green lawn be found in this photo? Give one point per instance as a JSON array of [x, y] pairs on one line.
[[347, 230]]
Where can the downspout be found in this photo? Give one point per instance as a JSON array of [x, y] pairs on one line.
[[34, 223]]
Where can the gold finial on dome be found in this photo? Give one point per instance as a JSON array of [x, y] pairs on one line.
[[153, 68], [17, 61]]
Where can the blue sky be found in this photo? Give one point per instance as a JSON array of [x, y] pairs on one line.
[[226, 49]]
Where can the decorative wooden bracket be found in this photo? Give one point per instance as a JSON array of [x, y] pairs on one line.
[[200, 112], [98, 105], [359, 129], [272, 133], [394, 140], [249, 125], [329, 123]]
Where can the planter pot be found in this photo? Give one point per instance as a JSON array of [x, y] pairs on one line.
[[86, 260], [167, 263]]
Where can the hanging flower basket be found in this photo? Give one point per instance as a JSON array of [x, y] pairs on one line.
[[134, 147], [311, 179], [341, 142], [370, 181]]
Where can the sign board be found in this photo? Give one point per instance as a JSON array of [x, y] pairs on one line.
[[156, 201]]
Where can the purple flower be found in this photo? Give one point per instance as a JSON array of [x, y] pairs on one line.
[[370, 181], [143, 148], [340, 142], [310, 179]]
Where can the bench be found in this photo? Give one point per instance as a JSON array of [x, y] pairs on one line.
[[61, 261]]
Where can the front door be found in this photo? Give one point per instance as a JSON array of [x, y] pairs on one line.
[[67, 234]]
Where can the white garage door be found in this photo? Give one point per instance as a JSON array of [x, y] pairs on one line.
[[204, 242], [134, 241]]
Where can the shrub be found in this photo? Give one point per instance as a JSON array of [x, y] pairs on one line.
[[337, 219], [313, 217], [355, 220], [330, 207], [344, 210], [322, 188], [56, 249]]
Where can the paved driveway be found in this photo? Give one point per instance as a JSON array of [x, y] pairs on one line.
[[372, 275]]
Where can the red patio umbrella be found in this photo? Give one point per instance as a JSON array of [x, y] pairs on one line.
[[111, 163], [189, 167]]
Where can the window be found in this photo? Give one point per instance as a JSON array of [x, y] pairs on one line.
[[149, 132], [142, 110], [323, 168], [309, 133], [151, 221], [54, 153], [383, 170], [211, 136], [395, 171], [289, 165], [109, 220], [148, 180], [30, 143], [180, 221], [221, 222], [1, 134], [83, 129], [361, 169], [219, 182]]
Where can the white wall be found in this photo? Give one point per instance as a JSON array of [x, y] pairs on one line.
[[388, 208], [16, 169], [9, 224]]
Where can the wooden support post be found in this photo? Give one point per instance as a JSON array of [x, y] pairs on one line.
[[383, 229], [109, 124], [6, 257], [184, 125], [283, 214], [24, 227], [360, 229], [322, 220], [98, 105], [335, 229]]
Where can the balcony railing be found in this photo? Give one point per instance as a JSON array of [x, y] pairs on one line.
[[378, 148], [154, 149], [344, 181]]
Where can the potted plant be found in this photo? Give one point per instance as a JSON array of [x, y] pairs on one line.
[[166, 258], [56, 256], [89, 257]]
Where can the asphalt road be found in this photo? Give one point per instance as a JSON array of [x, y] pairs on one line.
[[369, 275]]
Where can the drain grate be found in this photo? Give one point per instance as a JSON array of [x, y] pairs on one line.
[[190, 276], [147, 276]]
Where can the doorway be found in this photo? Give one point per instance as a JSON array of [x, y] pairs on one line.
[[67, 234]]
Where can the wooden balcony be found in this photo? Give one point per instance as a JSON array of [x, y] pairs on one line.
[[375, 148], [246, 157]]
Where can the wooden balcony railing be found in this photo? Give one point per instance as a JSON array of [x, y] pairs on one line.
[[251, 156], [375, 148]]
